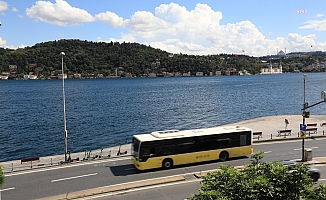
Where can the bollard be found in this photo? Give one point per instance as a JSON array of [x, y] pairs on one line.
[[51, 161], [12, 166], [323, 132], [271, 136], [298, 134]]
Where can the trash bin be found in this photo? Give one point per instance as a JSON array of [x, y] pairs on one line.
[[308, 154]]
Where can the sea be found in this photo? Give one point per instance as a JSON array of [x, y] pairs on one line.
[[102, 113]]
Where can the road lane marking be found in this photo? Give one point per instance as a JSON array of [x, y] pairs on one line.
[[74, 177], [7, 189], [133, 168], [77, 164], [271, 142], [268, 152]]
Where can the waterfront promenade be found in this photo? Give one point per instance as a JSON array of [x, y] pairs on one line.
[[268, 125]]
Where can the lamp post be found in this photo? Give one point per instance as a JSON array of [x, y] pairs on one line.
[[304, 113], [64, 107]]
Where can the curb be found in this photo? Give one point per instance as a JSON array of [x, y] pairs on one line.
[[115, 188], [289, 138]]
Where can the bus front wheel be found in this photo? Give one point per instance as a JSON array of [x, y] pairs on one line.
[[167, 164], [224, 156]]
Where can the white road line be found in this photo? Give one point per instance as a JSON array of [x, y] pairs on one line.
[[130, 169], [306, 148], [268, 152], [271, 142], [63, 179], [81, 163], [7, 189]]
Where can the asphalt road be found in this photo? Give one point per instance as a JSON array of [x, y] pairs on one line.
[[39, 183], [171, 191]]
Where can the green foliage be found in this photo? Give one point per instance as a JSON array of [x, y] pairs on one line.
[[86, 57], [2, 177], [260, 180]]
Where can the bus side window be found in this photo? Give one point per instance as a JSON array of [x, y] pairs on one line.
[[167, 150], [186, 147], [223, 143]]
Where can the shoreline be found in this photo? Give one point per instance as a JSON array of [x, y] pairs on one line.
[[268, 125]]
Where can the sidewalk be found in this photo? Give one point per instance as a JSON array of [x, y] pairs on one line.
[[48, 161], [268, 125]]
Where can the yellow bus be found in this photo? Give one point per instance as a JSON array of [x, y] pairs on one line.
[[165, 149]]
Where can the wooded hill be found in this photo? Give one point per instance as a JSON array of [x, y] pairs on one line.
[[87, 57]]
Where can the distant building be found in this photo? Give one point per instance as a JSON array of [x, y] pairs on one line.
[[61, 77], [77, 75], [232, 72], [281, 54], [218, 73], [271, 70], [186, 74]]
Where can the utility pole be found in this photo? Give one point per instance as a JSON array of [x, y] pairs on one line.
[[304, 114], [64, 109]]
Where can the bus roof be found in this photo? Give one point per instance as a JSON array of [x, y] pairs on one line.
[[169, 134]]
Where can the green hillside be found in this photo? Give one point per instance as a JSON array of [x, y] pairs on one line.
[[86, 57]]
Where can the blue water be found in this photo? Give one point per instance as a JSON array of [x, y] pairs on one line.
[[104, 112]]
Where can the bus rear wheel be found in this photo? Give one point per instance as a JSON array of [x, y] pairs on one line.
[[224, 156], [167, 164]]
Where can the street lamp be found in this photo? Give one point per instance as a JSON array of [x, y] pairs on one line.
[[304, 113], [64, 107]]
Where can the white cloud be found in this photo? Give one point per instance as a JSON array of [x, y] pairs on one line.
[[300, 43], [3, 6], [2, 42], [59, 13], [319, 15], [198, 31], [110, 18], [14, 9], [319, 25], [175, 29]]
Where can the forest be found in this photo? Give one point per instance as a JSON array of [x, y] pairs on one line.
[[136, 60]]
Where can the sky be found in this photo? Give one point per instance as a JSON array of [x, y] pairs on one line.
[[194, 27]]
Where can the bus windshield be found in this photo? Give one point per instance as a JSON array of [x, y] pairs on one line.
[[135, 147]]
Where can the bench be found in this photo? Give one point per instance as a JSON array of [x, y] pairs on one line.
[[313, 124], [285, 132], [29, 160], [258, 134], [311, 128]]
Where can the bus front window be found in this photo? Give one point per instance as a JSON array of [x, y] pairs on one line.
[[135, 148]]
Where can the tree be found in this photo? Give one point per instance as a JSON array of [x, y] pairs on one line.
[[2, 177], [260, 180]]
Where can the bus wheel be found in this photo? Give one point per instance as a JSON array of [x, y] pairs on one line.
[[224, 156], [167, 164]]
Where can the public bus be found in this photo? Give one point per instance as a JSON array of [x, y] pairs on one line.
[[165, 149]]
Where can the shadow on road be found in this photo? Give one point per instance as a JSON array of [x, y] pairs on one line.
[[129, 169]]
